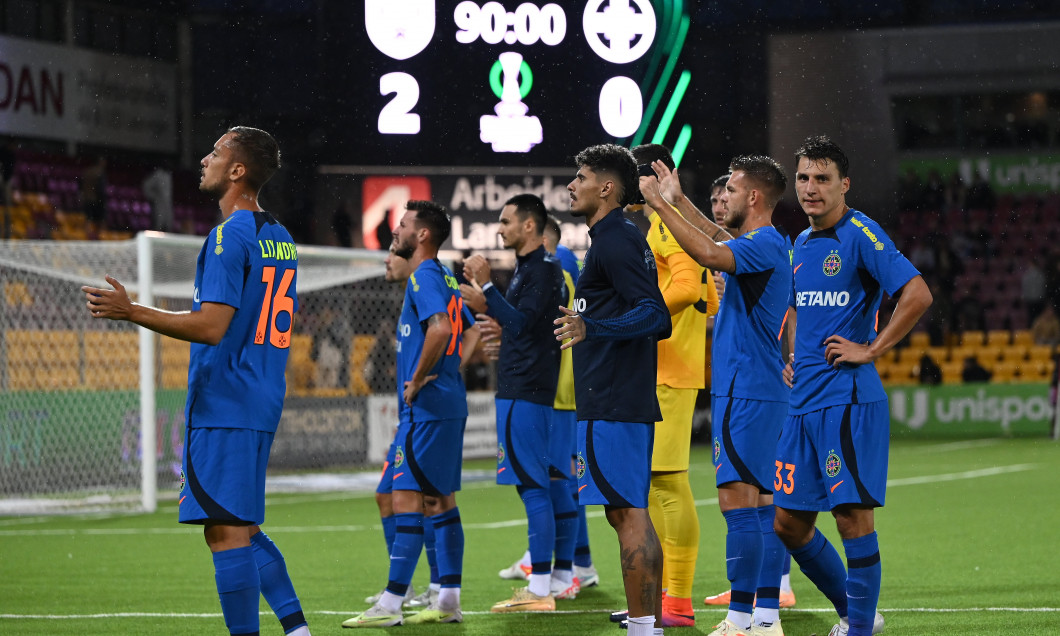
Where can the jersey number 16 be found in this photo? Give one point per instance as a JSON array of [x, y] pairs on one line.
[[272, 306]]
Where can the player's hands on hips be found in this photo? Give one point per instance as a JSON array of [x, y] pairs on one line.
[[473, 296], [412, 388], [570, 328], [477, 268], [109, 303], [838, 350], [669, 183], [789, 371]]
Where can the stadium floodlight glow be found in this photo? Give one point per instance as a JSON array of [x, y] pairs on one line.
[[621, 106], [621, 26], [399, 30], [511, 129]]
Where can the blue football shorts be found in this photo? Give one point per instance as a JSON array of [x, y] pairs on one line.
[[614, 463], [386, 478], [562, 444], [428, 456], [223, 476], [744, 435], [522, 443], [834, 456]]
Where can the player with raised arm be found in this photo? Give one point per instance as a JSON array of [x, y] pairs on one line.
[[240, 328], [690, 295], [749, 395], [528, 369], [618, 318], [832, 455], [433, 412]]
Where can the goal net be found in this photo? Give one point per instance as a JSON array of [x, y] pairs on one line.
[[92, 411]]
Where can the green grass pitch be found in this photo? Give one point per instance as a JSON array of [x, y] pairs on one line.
[[969, 541]]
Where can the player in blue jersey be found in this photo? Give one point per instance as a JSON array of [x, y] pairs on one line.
[[433, 411], [240, 329], [833, 452], [398, 271], [750, 398], [617, 320], [527, 372]]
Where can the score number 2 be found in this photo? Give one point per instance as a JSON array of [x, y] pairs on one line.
[[397, 118]]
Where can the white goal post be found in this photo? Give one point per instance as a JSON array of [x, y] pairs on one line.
[[91, 413]]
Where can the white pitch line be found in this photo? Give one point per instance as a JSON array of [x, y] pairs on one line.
[[493, 525], [822, 610]]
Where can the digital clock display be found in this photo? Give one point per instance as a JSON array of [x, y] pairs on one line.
[[437, 82]]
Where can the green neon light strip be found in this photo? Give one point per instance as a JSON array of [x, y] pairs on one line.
[[682, 144], [656, 97], [524, 84], [671, 108]]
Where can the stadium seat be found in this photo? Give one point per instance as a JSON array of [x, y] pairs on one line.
[[362, 346], [112, 360], [919, 340], [1014, 353], [939, 354], [1037, 371], [972, 337], [998, 337], [951, 372], [43, 360], [988, 356], [300, 366], [175, 357], [1022, 337], [1006, 371]]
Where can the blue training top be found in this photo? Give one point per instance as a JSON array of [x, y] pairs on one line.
[[431, 289], [625, 316], [746, 359], [840, 276], [249, 262], [528, 368]]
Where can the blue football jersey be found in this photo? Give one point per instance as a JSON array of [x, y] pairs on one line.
[[249, 262], [840, 276], [431, 289], [746, 360]]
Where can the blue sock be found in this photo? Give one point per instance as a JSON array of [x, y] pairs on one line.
[[276, 584], [408, 542], [583, 557], [388, 532], [743, 557], [863, 582], [774, 554], [429, 546], [565, 513], [238, 586], [787, 561], [449, 554], [541, 528], [819, 561]]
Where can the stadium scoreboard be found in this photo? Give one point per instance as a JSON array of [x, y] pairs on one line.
[[441, 82]]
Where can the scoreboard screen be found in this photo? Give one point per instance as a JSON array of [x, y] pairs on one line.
[[509, 82]]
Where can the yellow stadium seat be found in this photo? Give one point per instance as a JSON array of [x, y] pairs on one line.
[[1037, 371], [939, 354], [972, 338], [1022, 337], [43, 360], [175, 356], [951, 372], [911, 355], [1014, 353], [1040, 352], [988, 356], [998, 337], [362, 346], [300, 366], [1006, 371], [919, 340]]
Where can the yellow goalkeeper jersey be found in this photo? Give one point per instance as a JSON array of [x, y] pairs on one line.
[[565, 386], [690, 296]]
